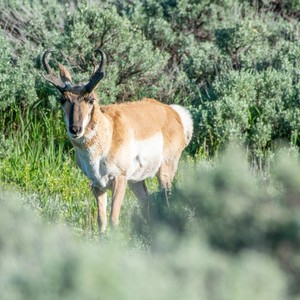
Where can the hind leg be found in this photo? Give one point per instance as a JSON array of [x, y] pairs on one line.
[[166, 174], [140, 190]]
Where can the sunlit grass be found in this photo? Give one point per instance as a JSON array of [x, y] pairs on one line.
[[36, 157]]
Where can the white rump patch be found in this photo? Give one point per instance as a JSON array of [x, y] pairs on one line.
[[186, 120]]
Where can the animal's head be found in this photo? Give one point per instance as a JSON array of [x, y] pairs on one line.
[[77, 100]]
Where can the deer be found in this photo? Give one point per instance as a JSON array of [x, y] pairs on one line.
[[122, 143]]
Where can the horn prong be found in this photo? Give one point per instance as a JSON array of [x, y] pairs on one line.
[[51, 76], [98, 73]]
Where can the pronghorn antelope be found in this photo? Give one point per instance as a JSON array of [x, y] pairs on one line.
[[120, 143]]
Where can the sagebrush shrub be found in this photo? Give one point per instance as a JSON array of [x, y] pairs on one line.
[[235, 64], [45, 261]]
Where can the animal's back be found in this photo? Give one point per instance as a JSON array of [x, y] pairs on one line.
[[146, 117]]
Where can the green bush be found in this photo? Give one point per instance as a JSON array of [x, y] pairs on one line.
[[235, 64], [239, 64], [135, 68], [240, 208], [17, 82], [42, 261]]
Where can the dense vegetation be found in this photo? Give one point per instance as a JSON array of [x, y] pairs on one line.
[[231, 229], [230, 237], [234, 63]]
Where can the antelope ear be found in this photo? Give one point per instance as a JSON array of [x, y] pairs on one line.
[[65, 74]]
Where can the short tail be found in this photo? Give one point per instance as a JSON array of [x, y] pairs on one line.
[[186, 120]]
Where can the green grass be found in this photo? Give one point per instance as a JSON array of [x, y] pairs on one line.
[[37, 158], [36, 148]]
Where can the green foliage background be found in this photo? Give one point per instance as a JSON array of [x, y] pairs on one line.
[[231, 230], [234, 63]]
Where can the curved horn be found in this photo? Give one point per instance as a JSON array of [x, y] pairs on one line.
[[51, 76], [98, 74]]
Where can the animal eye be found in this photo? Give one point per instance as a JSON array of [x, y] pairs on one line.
[[90, 100]]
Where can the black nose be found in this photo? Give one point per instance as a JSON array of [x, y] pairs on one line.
[[75, 129]]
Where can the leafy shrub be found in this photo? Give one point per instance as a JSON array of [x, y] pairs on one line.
[[135, 67], [205, 55], [227, 50], [239, 208], [16, 82], [239, 110], [40, 261]]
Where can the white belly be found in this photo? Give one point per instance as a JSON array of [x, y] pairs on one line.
[[139, 160], [147, 159]]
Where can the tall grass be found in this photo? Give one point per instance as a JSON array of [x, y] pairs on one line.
[[35, 142], [36, 157]]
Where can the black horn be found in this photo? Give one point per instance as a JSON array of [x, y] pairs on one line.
[[98, 74], [51, 76]]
